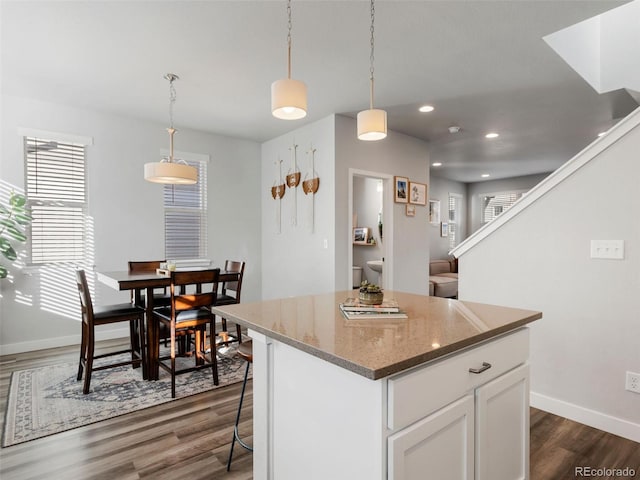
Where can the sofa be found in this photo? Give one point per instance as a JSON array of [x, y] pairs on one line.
[[443, 278]]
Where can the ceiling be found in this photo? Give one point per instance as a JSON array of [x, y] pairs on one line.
[[482, 64]]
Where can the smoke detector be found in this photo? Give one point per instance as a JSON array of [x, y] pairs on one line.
[[454, 129]]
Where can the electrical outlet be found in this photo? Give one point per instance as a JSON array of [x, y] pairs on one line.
[[633, 382]]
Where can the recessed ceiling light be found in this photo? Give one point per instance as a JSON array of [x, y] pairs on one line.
[[426, 109], [485, 175], [601, 134], [436, 164], [492, 135]]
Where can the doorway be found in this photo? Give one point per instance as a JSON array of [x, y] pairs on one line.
[[371, 212]]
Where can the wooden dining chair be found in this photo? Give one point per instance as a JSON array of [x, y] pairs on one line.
[[230, 294], [103, 315], [193, 294], [161, 298]]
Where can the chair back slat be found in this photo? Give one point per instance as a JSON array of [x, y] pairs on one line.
[[236, 285], [86, 305], [206, 284], [144, 266]]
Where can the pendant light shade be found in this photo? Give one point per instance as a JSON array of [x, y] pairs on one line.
[[372, 124], [289, 96], [288, 99], [170, 170]]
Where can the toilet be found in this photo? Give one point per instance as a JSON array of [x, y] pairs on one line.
[[357, 276]]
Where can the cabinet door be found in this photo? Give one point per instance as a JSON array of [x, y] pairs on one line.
[[502, 427], [439, 446]]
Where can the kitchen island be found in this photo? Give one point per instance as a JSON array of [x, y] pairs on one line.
[[443, 394]]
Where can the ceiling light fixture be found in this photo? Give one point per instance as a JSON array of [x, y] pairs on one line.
[[602, 133], [485, 175], [454, 129], [170, 170], [372, 123], [492, 135], [436, 164], [288, 96], [426, 109]]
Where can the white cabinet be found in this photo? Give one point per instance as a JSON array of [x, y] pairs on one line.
[[502, 427], [438, 446], [473, 426]]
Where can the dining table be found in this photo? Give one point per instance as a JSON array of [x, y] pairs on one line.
[[148, 281]]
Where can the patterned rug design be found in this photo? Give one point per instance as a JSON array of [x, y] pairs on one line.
[[47, 400]]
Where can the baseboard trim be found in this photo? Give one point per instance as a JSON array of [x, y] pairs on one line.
[[55, 342], [592, 418]]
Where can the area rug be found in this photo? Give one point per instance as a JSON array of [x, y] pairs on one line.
[[47, 400]]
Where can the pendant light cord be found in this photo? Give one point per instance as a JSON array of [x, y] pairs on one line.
[[289, 39], [371, 57], [172, 99]]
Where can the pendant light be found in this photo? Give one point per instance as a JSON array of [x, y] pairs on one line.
[[171, 170], [288, 96], [372, 123]]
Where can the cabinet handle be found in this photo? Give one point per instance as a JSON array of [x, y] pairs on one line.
[[485, 366]]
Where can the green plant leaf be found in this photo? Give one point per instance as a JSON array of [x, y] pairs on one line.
[[3, 272], [4, 244], [16, 234], [23, 218], [17, 200], [8, 222], [3, 209], [10, 253]]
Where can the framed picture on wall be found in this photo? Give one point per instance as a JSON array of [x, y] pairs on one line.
[[401, 189], [417, 193], [444, 229], [434, 212], [410, 210], [360, 235]]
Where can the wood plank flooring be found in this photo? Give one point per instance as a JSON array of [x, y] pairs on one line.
[[189, 439]]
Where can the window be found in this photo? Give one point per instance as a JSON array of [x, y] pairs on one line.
[[185, 217], [496, 203], [455, 201], [57, 197]]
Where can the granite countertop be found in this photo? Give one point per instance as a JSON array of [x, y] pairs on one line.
[[377, 348]]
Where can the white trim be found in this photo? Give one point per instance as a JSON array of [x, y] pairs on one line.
[[55, 342], [565, 171], [592, 418], [61, 137], [387, 221]]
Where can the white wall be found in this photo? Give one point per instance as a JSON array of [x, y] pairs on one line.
[[540, 259], [399, 155], [295, 260], [126, 212], [476, 189], [440, 189]]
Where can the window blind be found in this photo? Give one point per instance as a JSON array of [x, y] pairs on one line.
[[495, 204], [56, 193], [185, 217], [454, 213]]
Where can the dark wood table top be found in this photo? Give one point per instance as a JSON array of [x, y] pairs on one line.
[[125, 280]]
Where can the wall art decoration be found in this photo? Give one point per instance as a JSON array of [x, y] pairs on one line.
[[410, 210], [444, 229], [311, 183], [277, 192], [417, 193], [293, 180], [401, 189], [434, 212]]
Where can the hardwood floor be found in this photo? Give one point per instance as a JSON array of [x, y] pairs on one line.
[[189, 439]]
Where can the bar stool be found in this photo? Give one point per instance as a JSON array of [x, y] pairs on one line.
[[245, 350]]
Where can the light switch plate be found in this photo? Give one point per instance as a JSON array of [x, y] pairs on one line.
[[609, 249]]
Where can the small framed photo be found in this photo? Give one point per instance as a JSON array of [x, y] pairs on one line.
[[401, 189], [410, 210], [417, 193], [444, 229], [434, 212], [360, 235]]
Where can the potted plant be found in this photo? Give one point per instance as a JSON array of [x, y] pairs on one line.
[[13, 218], [370, 294]]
